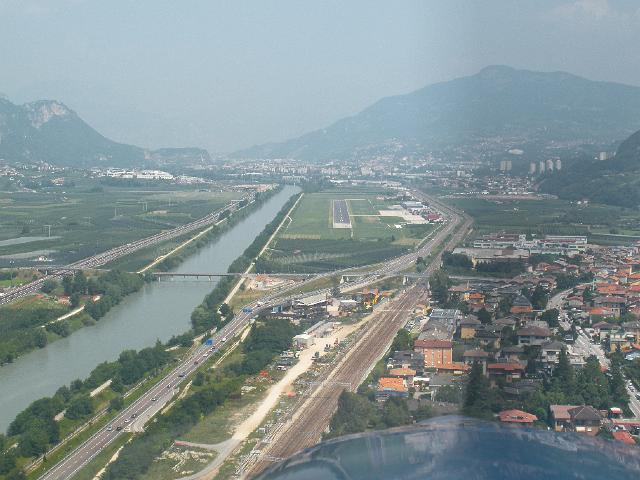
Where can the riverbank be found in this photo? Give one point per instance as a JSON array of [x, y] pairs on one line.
[[54, 322], [39, 320], [181, 248], [159, 311], [248, 257]]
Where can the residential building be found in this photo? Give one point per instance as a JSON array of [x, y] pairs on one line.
[[468, 327], [407, 359], [391, 387], [573, 418], [533, 336], [472, 356], [517, 416], [504, 372], [436, 352], [521, 304], [550, 354]]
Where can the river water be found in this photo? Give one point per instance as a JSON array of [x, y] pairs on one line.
[[158, 311]]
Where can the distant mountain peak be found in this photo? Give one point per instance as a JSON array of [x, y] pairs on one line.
[[496, 69], [42, 111], [49, 131], [499, 102]]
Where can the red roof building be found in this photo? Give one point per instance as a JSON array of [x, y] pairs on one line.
[[517, 416], [624, 437]]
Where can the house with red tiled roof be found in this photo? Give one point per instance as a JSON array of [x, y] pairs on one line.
[[391, 387], [598, 313], [457, 368], [504, 371], [475, 298], [624, 437], [575, 301], [521, 305], [517, 416], [369, 296], [614, 303]]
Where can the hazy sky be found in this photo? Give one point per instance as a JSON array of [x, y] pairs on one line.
[[229, 74]]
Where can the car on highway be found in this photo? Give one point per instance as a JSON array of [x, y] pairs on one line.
[[119, 427], [134, 415], [154, 399], [109, 428], [182, 374]]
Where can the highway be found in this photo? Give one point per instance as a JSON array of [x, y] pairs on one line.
[[148, 404], [117, 252]]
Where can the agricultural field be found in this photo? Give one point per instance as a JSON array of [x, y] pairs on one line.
[[309, 243], [62, 224], [603, 224]]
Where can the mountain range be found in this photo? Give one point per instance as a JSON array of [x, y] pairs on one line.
[[498, 103], [496, 107], [49, 131]]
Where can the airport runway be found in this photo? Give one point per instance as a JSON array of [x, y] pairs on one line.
[[341, 214]]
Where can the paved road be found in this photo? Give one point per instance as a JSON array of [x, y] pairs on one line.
[[557, 302], [585, 347]]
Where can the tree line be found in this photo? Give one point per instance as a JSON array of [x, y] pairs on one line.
[[587, 386], [35, 428]]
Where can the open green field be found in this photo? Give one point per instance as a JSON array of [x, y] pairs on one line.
[[601, 223], [88, 216], [309, 243]]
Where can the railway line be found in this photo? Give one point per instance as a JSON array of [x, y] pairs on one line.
[[306, 426]]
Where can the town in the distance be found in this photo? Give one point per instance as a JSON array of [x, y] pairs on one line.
[[169, 314]]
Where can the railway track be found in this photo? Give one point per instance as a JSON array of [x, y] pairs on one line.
[[306, 426], [305, 429]]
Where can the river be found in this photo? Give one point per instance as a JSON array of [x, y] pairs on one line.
[[158, 311]]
